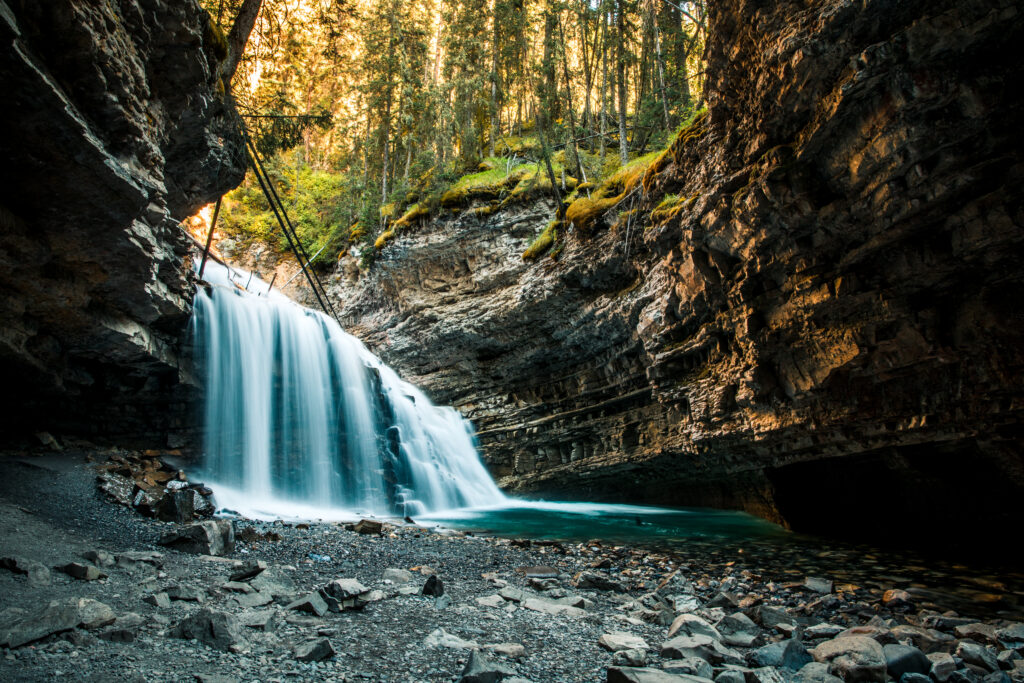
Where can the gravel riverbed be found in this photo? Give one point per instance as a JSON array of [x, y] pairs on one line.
[[321, 601]]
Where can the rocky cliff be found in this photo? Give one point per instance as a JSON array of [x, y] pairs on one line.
[[115, 126], [827, 332]]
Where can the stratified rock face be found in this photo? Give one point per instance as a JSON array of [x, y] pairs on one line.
[[114, 129], [830, 333]]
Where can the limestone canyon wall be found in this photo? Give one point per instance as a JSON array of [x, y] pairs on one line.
[[828, 334], [115, 127]]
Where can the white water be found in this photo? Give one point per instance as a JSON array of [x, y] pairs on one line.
[[301, 420]]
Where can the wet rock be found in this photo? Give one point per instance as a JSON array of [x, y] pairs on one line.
[[977, 655], [764, 674], [914, 678], [214, 537], [693, 666], [38, 574], [161, 600], [926, 640], [855, 658], [1014, 633], [786, 654], [177, 506], [731, 676], [57, 616], [249, 570], [316, 650], [439, 638], [898, 600], [83, 572], [738, 630], [692, 625], [626, 674], [100, 558], [905, 659], [311, 603], [983, 633], [368, 526], [942, 666], [482, 669], [397, 576], [599, 581], [942, 622], [219, 630], [635, 657], [619, 640], [434, 586], [1006, 659], [818, 585]]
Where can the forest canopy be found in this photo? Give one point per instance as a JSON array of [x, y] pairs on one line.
[[371, 112]]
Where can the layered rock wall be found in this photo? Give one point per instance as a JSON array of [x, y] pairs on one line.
[[829, 333], [115, 127]]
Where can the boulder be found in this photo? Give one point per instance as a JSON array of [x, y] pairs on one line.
[[219, 630], [439, 638], [599, 581], [628, 674], [434, 586], [765, 674], [482, 669], [703, 647], [185, 593], [630, 658], [214, 537], [177, 506], [83, 572], [692, 625], [316, 650], [346, 594], [815, 672], [57, 616], [785, 654], [942, 666], [978, 655], [100, 558], [854, 658], [368, 526], [618, 640], [738, 630], [312, 603], [161, 600], [250, 569], [38, 573], [769, 617], [693, 666], [905, 659], [724, 600]]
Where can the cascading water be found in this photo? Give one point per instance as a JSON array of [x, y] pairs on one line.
[[301, 416]]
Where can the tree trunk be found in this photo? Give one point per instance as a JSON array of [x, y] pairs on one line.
[[620, 67], [238, 37]]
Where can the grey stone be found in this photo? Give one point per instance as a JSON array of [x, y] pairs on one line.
[[738, 630], [512, 593], [822, 631], [816, 672], [785, 654], [914, 678], [599, 581], [708, 649], [57, 616], [249, 570], [1014, 633], [177, 506], [630, 658], [83, 572], [397, 576], [855, 658], [769, 617], [626, 674], [490, 601], [818, 584], [618, 640], [314, 650], [185, 593], [764, 674], [100, 558], [551, 607], [1006, 658], [926, 640], [38, 573], [219, 630], [275, 583], [731, 677], [237, 587], [694, 666], [977, 655], [434, 586], [312, 603], [439, 638], [442, 602], [481, 669], [724, 600], [254, 599], [942, 666], [513, 650], [904, 659], [161, 600], [257, 619], [213, 537], [692, 625]]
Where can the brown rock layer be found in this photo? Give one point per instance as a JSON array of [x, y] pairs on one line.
[[829, 334], [114, 128]]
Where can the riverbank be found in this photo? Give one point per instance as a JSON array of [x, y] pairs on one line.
[[541, 611]]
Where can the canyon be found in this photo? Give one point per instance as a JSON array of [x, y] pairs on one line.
[[826, 332]]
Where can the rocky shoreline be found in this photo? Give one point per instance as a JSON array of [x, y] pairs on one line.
[[87, 590]]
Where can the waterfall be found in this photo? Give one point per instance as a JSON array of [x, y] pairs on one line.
[[299, 413]]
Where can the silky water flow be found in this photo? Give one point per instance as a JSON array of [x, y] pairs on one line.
[[300, 417]]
